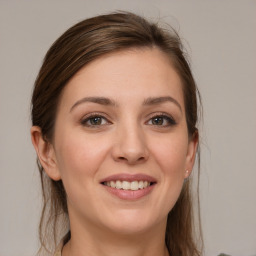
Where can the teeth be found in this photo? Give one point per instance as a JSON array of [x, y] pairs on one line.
[[126, 185], [119, 184], [134, 185], [112, 184], [141, 184]]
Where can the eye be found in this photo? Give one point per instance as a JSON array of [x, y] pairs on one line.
[[162, 120], [94, 120]]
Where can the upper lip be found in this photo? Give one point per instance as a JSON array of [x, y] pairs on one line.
[[129, 177]]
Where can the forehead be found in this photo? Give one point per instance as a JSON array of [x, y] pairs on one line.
[[133, 74]]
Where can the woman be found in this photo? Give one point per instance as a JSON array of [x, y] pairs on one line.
[[114, 113]]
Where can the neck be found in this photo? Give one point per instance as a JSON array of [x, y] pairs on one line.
[[100, 242]]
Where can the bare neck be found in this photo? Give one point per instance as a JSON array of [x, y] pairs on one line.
[[99, 242]]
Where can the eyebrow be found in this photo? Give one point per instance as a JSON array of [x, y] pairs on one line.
[[108, 102], [159, 100], [99, 100]]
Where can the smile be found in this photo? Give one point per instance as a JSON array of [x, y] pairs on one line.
[[127, 185]]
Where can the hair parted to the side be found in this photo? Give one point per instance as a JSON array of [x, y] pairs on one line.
[[79, 45]]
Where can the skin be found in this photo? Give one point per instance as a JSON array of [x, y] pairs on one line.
[[130, 136]]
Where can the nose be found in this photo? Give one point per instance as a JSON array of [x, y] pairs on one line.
[[130, 146]]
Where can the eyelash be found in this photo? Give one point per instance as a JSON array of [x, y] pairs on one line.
[[91, 116], [170, 120]]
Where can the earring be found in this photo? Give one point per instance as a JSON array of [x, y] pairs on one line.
[[187, 174]]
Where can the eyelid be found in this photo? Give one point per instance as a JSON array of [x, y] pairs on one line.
[[86, 117], [172, 121]]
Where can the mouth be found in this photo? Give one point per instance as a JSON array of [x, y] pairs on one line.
[[129, 187]]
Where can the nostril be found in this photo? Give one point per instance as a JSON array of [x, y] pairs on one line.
[[131, 159]]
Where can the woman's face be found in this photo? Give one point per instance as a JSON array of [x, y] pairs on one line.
[[121, 145]]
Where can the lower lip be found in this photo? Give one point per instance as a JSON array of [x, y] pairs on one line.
[[130, 194]]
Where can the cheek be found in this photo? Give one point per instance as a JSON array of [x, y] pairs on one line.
[[170, 155], [79, 156], [79, 159]]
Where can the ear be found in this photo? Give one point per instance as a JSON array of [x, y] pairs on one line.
[[45, 152], [191, 154]]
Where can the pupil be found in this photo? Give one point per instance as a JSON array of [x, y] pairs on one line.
[[96, 120], [158, 120]]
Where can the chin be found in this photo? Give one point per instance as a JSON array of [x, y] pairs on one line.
[[131, 222]]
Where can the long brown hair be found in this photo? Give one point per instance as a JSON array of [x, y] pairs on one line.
[[79, 45]]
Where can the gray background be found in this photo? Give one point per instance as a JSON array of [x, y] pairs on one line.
[[221, 40]]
